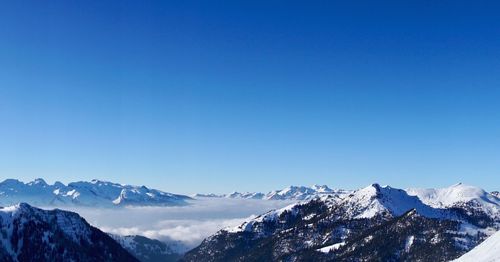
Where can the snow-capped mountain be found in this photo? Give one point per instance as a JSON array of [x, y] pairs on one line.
[[32, 234], [353, 227], [95, 193], [288, 193], [472, 199], [151, 250], [374, 200], [487, 251], [247, 195], [297, 193]]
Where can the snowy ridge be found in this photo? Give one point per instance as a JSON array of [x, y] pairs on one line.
[[70, 223], [355, 226], [375, 200], [33, 234], [95, 193], [288, 193], [266, 217], [487, 251], [459, 195]]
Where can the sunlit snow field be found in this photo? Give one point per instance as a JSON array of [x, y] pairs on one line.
[[189, 224]]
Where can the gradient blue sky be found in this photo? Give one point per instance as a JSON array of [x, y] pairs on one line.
[[215, 96]]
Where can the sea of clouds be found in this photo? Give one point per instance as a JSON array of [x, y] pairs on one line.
[[188, 224]]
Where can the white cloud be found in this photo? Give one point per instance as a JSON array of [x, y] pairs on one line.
[[188, 224]]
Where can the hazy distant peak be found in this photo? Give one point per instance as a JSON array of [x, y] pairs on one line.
[[82, 193]]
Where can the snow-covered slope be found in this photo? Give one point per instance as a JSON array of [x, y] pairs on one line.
[[487, 251], [32, 234], [95, 193], [295, 192], [460, 195], [352, 227], [288, 193], [373, 200]]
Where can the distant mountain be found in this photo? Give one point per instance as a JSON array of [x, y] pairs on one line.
[[95, 193], [376, 223], [211, 195], [487, 251], [151, 250], [32, 234], [288, 193]]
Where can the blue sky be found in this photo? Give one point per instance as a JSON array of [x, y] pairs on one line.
[[215, 96]]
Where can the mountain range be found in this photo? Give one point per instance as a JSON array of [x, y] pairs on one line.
[[375, 223], [288, 193], [95, 193]]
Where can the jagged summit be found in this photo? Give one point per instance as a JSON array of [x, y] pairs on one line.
[[287, 193], [95, 193]]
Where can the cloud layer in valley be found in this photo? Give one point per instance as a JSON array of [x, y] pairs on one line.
[[188, 224]]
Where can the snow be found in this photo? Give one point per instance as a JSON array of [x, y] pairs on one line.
[[458, 194], [269, 216], [375, 199], [322, 189], [6, 217], [295, 192], [364, 203], [333, 247], [71, 224], [95, 193], [288, 193], [487, 251], [409, 243]]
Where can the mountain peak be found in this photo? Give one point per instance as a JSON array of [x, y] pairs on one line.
[[374, 200], [321, 188], [59, 184], [38, 181], [39, 232], [456, 195], [84, 193]]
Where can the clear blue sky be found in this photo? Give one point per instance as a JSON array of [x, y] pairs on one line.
[[215, 96]]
